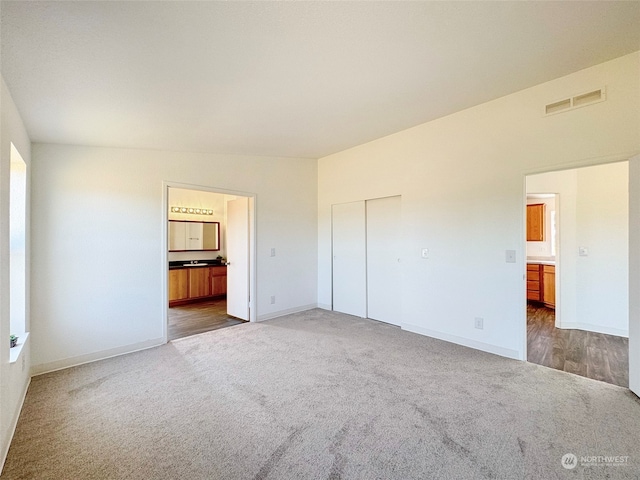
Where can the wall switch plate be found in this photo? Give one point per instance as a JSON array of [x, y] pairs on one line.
[[273, 299], [424, 253], [511, 256], [273, 252], [479, 323], [583, 251]]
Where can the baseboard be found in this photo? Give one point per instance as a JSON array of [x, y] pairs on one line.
[[288, 311], [325, 306], [94, 357], [618, 332], [14, 425], [465, 342]]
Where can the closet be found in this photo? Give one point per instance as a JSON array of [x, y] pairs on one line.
[[366, 259]]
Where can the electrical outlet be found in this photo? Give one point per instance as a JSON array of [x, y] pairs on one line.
[[479, 323], [273, 252], [424, 253], [273, 299]]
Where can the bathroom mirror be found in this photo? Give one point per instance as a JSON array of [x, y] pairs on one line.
[[187, 236]]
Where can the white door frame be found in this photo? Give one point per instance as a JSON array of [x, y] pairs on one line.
[[633, 259], [253, 313], [634, 274]]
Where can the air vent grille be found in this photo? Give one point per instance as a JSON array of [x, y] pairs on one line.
[[582, 100]]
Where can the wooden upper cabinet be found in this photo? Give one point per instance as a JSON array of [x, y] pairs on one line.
[[535, 222]]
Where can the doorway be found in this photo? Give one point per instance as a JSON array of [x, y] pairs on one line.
[[210, 273], [579, 323]]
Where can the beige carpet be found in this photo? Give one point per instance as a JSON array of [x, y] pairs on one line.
[[320, 395]]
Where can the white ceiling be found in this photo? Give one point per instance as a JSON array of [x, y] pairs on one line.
[[299, 79]]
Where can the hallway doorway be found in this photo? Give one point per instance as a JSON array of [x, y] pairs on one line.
[[578, 290]]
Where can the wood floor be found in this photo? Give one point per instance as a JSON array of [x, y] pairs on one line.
[[592, 355], [201, 317]]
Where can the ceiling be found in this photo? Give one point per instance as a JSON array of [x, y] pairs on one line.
[[296, 79]]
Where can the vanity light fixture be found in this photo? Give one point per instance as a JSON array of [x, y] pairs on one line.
[[192, 210]]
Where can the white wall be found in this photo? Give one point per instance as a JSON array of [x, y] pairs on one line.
[[543, 248], [14, 377], [97, 242], [461, 179], [593, 291]]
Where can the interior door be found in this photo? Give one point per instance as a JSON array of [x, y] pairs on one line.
[[349, 258], [383, 262], [238, 258]]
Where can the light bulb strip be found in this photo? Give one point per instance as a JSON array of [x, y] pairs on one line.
[[192, 210]]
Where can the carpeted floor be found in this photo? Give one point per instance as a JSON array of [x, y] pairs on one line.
[[321, 395]]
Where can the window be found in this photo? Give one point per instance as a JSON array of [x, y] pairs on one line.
[[17, 243]]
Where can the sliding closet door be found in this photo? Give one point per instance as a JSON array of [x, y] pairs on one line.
[[349, 258], [383, 265]]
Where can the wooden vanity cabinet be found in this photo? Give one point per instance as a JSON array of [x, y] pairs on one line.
[[178, 285], [218, 277], [199, 282], [535, 222], [191, 284]]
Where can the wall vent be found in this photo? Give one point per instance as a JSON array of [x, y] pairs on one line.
[[582, 100]]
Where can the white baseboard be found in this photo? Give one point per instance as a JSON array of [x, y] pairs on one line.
[[595, 328], [465, 342], [14, 425], [93, 357], [325, 306], [288, 311]]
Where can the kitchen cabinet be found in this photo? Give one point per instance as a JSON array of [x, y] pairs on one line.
[[541, 284], [178, 284], [192, 284], [535, 222], [549, 285], [533, 282]]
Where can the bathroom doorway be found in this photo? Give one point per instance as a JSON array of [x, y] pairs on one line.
[[209, 259]]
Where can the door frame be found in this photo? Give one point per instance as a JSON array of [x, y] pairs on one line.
[[633, 258], [164, 246]]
